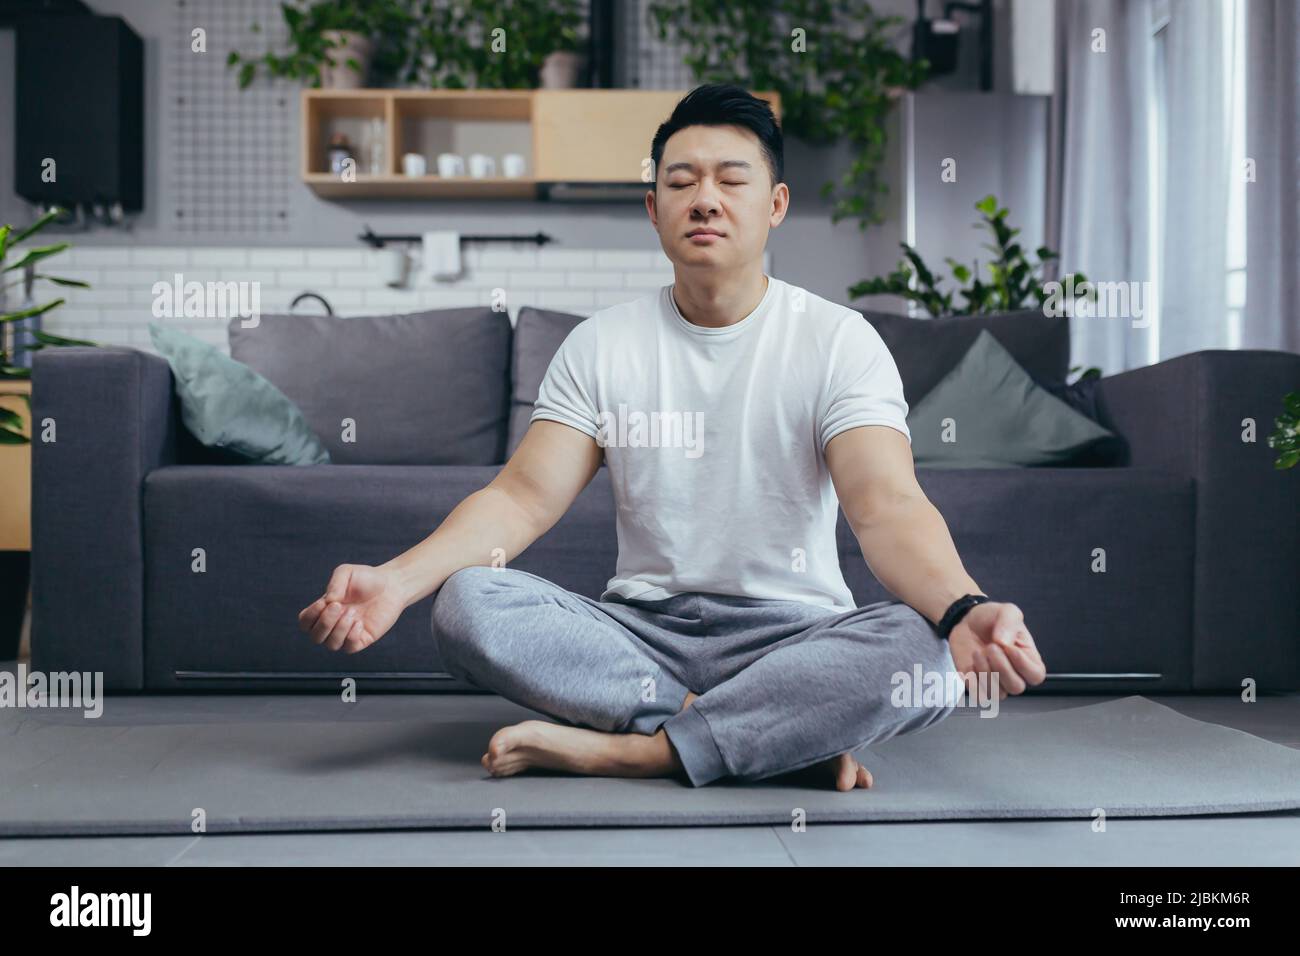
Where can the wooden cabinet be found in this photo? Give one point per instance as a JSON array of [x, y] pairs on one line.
[[564, 136]]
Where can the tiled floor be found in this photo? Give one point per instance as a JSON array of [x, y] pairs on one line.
[[1271, 839]]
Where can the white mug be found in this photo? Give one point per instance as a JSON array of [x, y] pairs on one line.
[[413, 164], [512, 165], [451, 164], [482, 165]]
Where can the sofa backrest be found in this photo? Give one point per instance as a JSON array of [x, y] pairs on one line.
[[925, 350], [423, 388]]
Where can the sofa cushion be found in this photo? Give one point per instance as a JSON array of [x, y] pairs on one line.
[[229, 407], [925, 350], [538, 334], [424, 388], [998, 417], [273, 538]]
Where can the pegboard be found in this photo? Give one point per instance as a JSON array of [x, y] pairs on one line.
[[657, 65], [232, 151]]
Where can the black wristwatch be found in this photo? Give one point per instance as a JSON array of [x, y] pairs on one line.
[[957, 611]]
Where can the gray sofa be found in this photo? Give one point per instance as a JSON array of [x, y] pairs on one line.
[[1201, 534]]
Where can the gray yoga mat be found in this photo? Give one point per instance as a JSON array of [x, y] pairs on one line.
[[143, 771]]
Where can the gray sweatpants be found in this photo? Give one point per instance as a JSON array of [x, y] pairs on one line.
[[781, 684]]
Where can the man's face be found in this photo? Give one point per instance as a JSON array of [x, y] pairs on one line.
[[714, 201]]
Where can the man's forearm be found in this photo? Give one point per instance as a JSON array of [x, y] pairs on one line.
[[908, 548], [488, 519]]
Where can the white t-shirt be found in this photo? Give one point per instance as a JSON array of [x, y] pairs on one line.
[[714, 438]]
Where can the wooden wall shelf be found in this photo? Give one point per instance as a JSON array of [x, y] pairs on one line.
[[587, 136]]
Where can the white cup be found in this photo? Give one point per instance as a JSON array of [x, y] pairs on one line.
[[482, 165], [413, 164], [451, 164], [513, 165]]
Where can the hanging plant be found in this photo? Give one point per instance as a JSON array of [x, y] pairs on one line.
[[835, 67]]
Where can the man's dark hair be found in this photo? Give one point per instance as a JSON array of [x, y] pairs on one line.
[[723, 104]]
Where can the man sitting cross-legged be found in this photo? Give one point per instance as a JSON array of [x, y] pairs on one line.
[[736, 414]]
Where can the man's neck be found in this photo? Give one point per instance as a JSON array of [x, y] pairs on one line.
[[716, 301]]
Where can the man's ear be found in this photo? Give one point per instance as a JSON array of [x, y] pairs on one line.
[[650, 207]]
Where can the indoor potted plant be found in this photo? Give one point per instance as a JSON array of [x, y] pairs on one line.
[[558, 22], [18, 282], [341, 44], [1015, 282]]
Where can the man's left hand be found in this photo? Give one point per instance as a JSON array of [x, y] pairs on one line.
[[991, 638]]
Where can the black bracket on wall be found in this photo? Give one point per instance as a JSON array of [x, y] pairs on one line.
[[377, 242]]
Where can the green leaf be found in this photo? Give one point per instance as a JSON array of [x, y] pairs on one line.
[[39, 224], [70, 282], [36, 255], [51, 339], [987, 205], [28, 313]]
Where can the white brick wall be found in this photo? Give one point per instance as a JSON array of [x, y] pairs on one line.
[[117, 309]]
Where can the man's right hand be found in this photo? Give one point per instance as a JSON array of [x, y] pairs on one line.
[[358, 607]]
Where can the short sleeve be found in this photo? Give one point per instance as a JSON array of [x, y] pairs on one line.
[[863, 385], [567, 389]]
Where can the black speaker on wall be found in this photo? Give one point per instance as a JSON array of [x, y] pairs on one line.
[[79, 112]]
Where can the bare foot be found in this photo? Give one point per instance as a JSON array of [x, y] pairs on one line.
[[846, 772], [593, 753]]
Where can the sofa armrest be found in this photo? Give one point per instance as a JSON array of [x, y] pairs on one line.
[[1186, 415], [114, 417]]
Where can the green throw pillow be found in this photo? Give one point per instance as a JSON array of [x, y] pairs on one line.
[[227, 405], [1000, 417]]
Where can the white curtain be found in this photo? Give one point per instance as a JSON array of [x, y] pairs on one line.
[[1100, 171], [1271, 318], [1194, 276], [1146, 176]]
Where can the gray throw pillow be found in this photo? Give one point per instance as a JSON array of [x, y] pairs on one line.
[[423, 388], [925, 350], [538, 336], [227, 405], [997, 415]]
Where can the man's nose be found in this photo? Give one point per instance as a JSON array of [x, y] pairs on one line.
[[705, 202]]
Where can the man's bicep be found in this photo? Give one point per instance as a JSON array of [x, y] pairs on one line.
[[871, 467], [549, 469]]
